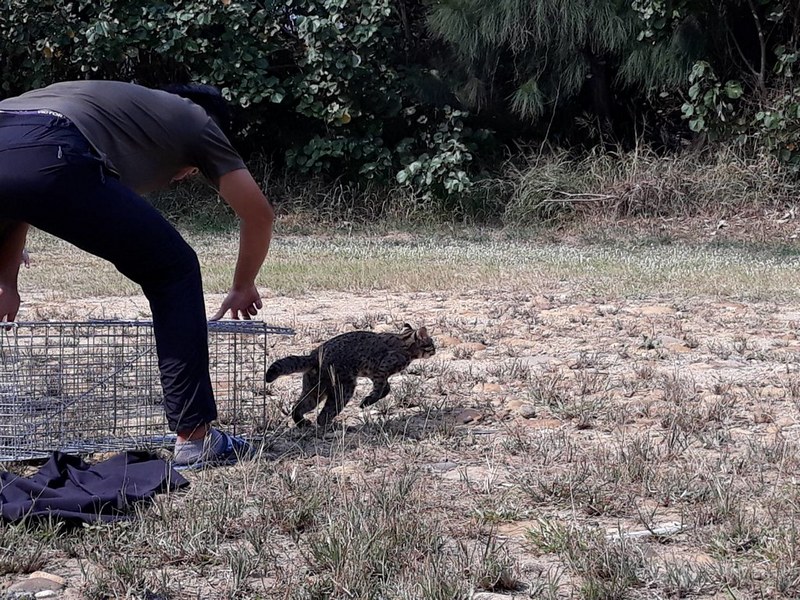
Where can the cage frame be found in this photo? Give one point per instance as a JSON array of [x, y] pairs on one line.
[[43, 386]]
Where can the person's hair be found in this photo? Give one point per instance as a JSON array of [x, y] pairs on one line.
[[208, 97]]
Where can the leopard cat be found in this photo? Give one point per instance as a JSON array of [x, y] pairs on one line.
[[331, 369]]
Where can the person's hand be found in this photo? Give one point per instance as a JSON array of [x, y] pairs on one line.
[[243, 304], [9, 303]]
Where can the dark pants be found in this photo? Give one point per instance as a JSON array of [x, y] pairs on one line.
[[51, 179]]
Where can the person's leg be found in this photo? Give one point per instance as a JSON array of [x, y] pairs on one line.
[[61, 189]]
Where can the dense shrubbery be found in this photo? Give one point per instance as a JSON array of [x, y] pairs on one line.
[[744, 87], [424, 95], [326, 86]]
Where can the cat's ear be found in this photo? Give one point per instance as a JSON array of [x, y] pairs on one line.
[[407, 329], [422, 333]]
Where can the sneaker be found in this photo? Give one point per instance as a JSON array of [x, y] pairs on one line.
[[216, 449]]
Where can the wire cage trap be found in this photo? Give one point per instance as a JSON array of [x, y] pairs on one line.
[[94, 386]]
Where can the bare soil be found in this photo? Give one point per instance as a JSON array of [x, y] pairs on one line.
[[538, 409], [596, 447]]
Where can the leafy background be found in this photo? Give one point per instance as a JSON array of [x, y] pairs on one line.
[[436, 97]]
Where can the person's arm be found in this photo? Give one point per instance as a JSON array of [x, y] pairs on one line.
[[244, 196], [12, 254]]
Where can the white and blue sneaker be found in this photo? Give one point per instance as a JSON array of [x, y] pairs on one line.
[[216, 449]]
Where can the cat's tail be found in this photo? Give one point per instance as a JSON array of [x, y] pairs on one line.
[[289, 364]]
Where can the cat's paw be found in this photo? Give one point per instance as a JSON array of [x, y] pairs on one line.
[[324, 424], [368, 401]]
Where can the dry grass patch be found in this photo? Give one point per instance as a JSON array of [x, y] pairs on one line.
[[599, 421]]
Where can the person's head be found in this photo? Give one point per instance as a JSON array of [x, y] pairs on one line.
[[209, 98]]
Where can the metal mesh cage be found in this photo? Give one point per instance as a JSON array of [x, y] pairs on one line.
[[94, 386]]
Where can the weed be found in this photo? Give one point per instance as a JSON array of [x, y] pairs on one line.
[[23, 546], [550, 536], [680, 579], [546, 586], [720, 350], [490, 566], [547, 389], [608, 569], [677, 389]]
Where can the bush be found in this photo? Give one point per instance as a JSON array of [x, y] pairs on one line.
[[324, 86]]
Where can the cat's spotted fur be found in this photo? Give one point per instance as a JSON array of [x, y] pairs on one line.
[[331, 370]]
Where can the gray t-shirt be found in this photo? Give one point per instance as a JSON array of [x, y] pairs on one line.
[[144, 135]]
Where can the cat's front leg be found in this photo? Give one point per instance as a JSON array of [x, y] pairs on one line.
[[380, 389]]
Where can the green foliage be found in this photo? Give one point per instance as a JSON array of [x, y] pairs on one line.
[[387, 92], [541, 59], [752, 46], [327, 78], [709, 107], [776, 123], [440, 169], [655, 17]]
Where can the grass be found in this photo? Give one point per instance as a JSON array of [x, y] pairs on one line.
[[615, 383], [410, 263]]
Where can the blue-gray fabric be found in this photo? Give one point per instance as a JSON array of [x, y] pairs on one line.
[[68, 489]]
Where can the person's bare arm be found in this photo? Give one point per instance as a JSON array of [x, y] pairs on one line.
[[256, 217], [12, 254]]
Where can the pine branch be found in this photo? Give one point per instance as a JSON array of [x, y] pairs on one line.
[[762, 44], [730, 36]]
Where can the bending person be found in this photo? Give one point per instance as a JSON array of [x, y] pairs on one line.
[[74, 159]]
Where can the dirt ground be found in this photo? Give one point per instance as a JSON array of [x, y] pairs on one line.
[[704, 382], [533, 402]]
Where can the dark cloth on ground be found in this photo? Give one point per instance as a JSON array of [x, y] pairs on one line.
[[68, 489]]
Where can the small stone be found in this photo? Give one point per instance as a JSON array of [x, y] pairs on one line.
[[666, 529], [45, 575], [470, 347], [488, 388], [34, 585], [446, 341], [678, 348], [656, 310], [541, 302], [520, 343], [514, 404], [539, 360], [527, 411], [468, 415], [772, 391], [45, 594], [607, 309], [762, 417], [344, 469], [543, 423], [443, 466]]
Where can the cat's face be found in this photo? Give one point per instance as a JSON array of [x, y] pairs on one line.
[[420, 343], [424, 343]]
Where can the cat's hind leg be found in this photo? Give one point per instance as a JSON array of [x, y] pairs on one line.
[[310, 397], [338, 394]]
